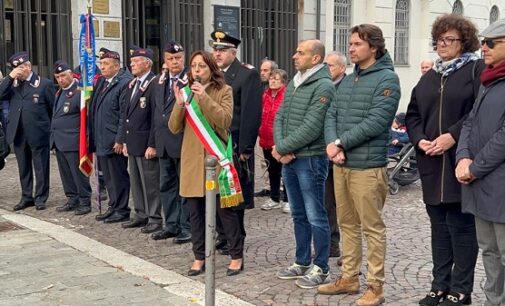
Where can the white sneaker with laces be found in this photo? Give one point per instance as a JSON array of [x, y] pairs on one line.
[[285, 208], [270, 204]]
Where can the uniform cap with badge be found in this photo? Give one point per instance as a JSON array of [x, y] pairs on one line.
[[173, 47], [142, 52], [60, 66], [19, 58], [221, 40], [106, 53]]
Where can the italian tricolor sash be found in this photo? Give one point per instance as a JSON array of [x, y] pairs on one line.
[[228, 181]]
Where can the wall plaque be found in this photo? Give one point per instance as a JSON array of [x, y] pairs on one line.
[[111, 29], [96, 27], [101, 7], [226, 19]]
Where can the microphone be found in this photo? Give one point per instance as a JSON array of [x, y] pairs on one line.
[[192, 94]]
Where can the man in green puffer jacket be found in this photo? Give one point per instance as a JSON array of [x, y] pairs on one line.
[[357, 133], [300, 147]]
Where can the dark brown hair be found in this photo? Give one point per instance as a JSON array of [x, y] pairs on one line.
[[282, 73], [373, 35], [465, 28], [216, 75]]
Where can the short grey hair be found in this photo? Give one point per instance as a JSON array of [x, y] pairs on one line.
[[273, 64], [342, 60]]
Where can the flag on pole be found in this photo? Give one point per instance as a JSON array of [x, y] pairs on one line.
[[87, 65]]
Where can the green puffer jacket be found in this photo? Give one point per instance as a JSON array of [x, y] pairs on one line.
[[299, 123], [362, 114]]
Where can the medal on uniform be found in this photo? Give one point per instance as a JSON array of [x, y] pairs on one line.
[[35, 98], [142, 102], [66, 107]]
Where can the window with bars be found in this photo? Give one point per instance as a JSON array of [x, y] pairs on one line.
[[457, 7], [494, 15], [153, 23], [341, 25], [401, 56], [41, 27]]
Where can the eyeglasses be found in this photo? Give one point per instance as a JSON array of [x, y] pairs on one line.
[[490, 42], [446, 41]]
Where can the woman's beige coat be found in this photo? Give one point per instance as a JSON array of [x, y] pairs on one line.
[[217, 107]]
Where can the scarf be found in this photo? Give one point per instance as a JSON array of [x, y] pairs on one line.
[[299, 78], [447, 68], [491, 73], [229, 184]]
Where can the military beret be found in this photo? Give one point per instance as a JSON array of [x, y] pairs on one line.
[[60, 66], [494, 30], [106, 53], [19, 58], [173, 47], [142, 52], [223, 40]]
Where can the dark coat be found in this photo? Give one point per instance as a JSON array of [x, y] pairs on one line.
[[106, 111], [66, 121], [138, 128], [168, 144], [31, 105], [246, 85], [482, 139], [431, 113]]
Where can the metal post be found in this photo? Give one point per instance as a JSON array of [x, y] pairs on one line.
[[210, 230]]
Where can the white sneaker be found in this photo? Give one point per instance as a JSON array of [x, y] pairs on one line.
[[270, 204], [285, 208]]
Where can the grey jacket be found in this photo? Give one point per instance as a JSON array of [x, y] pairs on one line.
[[482, 139]]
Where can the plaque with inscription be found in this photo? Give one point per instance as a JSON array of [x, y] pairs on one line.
[[226, 19], [111, 29], [101, 7]]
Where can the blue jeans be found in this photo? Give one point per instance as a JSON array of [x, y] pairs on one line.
[[304, 178]]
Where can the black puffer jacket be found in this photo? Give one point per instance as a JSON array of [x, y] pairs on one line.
[[437, 106]]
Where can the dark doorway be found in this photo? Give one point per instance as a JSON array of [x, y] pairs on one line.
[[269, 29], [152, 23], [41, 27]]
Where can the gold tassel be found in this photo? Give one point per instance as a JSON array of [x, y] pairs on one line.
[[231, 200]]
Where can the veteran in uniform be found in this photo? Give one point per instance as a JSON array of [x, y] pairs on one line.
[[139, 145], [106, 135], [65, 128], [168, 146], [31, 102], [247, 108]]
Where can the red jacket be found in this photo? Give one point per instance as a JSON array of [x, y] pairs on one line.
[[270, 107]]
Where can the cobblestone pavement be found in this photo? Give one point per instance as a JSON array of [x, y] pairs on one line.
[[269, 246]]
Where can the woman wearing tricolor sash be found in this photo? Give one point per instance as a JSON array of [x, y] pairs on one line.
[[205, 121]]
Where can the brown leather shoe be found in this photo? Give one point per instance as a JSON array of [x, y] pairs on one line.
[[374, 296], [341, 286]]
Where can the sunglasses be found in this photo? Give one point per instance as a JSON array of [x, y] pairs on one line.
[[490, 42]]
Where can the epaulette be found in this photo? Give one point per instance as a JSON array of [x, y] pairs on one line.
[[248, 66]]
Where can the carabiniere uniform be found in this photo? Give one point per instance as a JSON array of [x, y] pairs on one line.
[[65, 129], [31, 103]]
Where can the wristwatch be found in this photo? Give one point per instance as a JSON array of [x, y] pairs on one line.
[[338, 143]]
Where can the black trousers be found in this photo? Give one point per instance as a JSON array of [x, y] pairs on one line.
[[274, 176], [32, 159], [117, 181], [331, 208], [454, 248], [231, 227], [75, 184]]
